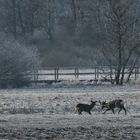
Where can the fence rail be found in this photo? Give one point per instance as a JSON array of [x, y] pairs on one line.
[[91, 74]]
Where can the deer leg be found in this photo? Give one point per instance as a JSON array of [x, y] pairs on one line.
[[119, 110], [106, 110], [89, 112], [113, 110], [124, 110], [79, 112]]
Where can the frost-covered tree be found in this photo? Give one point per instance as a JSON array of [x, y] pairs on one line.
[[16, 62]]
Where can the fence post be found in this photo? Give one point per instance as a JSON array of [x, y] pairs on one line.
[[35, 76], [76, 73], [56, 73], [95, 74]]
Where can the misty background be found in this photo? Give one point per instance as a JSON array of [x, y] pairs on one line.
[[66, 32]]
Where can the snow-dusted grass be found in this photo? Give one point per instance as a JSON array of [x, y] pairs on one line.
[[50, 113]]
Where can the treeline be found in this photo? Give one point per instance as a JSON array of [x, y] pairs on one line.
[[22, 17], [68, 32], [65, 31]]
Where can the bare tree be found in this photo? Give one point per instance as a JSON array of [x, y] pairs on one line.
[[49, 13], [122, 42]]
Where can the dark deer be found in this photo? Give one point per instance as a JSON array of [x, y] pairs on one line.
[[112, 105], [85, 107]]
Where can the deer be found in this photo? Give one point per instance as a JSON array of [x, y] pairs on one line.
[[85, 107], [118, 103]]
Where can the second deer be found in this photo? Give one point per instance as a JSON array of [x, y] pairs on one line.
[[118, 103]]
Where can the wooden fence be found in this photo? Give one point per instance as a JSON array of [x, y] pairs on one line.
[[91, 74]]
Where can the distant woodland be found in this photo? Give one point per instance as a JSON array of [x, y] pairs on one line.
[[75, 32]]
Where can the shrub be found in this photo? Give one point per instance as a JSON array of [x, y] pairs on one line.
[[16, 62]]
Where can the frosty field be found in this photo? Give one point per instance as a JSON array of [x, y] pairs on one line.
[[49, 114]]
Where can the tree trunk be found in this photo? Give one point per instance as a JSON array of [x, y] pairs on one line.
[[131, 70], [20, 19], [14, 18]]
